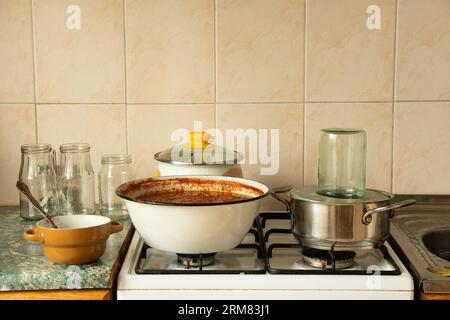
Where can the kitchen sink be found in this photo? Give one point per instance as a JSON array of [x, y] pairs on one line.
[[438, 243], [420, 235]]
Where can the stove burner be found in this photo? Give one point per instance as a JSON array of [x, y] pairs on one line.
[[324, 259], [196, 260]]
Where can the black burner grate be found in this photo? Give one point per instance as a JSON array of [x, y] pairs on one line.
[[269, 249], [257, 263], [263, 255]]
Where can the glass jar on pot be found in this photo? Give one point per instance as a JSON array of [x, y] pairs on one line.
[[342, 163]]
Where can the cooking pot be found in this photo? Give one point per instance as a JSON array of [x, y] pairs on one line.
[[327, 223], [192, 228], [199, 157], [78, 239]]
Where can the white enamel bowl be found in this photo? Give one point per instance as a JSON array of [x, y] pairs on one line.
[[192, 228]]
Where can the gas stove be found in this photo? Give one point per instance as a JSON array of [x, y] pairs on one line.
[[268, 264]]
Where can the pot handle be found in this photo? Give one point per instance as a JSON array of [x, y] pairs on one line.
[[32, 235], [274, 193], [367, 217], [116, 226]]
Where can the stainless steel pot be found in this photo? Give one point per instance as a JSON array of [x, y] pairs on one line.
[[340, 224]]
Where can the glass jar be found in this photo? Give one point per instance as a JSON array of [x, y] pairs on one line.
[[37, 170], [342, 163], [115, 170], [76, 179]]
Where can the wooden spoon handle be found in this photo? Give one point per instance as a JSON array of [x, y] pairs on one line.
[[27, 193]]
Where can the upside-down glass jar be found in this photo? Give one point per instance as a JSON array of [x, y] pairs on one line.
[[342, 163]]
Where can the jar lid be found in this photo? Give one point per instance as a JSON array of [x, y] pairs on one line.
[[74, 147], [309, 193], [198, 152], [36, 148]]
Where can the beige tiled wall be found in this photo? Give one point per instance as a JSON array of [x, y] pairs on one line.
[[345, 61], [85, 66], [423, 50], [138, 69], [17, 126], [16, 52], [170, 51], [260, 47]]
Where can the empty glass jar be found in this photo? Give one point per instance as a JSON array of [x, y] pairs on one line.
[[342, 163], [37, 170], [76, 179], [115, 170]]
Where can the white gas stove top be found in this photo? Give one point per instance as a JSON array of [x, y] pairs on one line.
[[268, 264]]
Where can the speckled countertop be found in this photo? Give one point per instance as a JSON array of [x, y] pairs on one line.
[[24, 267]]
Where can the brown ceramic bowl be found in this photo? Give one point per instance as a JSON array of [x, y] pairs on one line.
[[79, 239]]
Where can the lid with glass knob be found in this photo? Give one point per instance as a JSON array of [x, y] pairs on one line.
[[199, 151], [309, 194]]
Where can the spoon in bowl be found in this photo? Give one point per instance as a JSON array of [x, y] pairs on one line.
[[27, 193]]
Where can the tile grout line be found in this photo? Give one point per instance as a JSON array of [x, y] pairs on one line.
[[400, 101], [33, 43], [393, 99], [125, 73], [215, 65], [224, 103], [119, 103], [304, 88]]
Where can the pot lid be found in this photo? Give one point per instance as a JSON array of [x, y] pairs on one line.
[[198, 152], [308, 193]]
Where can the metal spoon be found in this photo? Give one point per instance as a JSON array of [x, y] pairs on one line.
[[27, 193]]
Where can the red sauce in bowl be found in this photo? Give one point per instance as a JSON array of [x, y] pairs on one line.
[[189, 191], [191, 197]]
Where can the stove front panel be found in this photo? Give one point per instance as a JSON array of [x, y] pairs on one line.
[[315, 285], [262, 295]]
